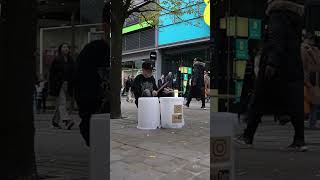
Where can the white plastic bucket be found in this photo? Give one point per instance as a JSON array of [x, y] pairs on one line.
[[148, 113], [172, 112]]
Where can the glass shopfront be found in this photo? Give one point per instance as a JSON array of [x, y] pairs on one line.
[[180, 62]]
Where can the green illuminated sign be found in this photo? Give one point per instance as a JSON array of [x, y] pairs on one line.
[[135, 27]]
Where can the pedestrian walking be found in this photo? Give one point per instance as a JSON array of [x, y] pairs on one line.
[[161, 81], [310, 54], [279, 85], [45, 89], [38, 96], [144, 85], [166, 88], [207, 85], [92, 80], [129, 85], [61, 86], [197, 88]]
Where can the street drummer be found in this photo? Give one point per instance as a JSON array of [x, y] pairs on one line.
[[144, 85]]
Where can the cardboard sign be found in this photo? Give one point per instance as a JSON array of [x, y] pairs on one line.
[[177, 109], [220, 173], [220, 149], [176, 118]]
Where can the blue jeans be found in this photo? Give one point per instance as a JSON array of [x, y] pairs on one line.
[[314, 109]]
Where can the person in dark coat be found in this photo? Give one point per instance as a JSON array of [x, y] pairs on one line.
[[161, 81], [197, 88], [279, 85], [144, 85], [167, 90], [92, 80], [61, 84]]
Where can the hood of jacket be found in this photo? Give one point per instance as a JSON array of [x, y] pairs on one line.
[[198, 63], [274, 5]]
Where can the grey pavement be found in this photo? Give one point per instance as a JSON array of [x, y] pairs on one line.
[[172, 154]]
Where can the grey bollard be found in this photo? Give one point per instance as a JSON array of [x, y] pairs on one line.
[[100, 147], [222, 151]]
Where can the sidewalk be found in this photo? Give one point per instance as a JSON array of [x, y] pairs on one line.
[[173, 154]]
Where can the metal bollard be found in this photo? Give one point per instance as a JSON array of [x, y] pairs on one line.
[[222, 151], [100, 147]]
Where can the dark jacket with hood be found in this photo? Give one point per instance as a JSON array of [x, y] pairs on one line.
[[92, 78], [197, 88], [284, 92]]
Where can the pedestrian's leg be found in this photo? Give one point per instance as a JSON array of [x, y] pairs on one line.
[[63, 103], [254, 118], [297, 120], [38, 105], [203, 99], [313, 117], [44, 104], [85, 126]]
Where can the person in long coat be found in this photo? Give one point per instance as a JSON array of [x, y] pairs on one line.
[[197, 88], [279, 85], [92, 83], [61, 85]]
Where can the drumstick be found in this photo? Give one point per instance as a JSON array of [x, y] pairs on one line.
[[163, 86]]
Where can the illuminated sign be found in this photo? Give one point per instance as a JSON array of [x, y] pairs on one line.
[[135, 27], [206, 14]]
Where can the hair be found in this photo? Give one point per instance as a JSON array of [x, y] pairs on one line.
[[60, 48]]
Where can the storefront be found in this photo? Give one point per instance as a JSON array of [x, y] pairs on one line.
[[179, 61], [181, 42]]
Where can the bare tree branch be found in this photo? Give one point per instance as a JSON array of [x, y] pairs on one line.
[[136, 8]]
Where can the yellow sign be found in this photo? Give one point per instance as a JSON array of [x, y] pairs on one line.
[[206, 14]]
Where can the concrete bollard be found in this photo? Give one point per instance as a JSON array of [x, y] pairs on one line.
[[100, 147], [222, 151]]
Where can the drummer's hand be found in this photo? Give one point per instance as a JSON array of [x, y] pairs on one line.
[[154, 93]]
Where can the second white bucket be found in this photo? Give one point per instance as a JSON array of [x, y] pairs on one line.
[[171, 112]]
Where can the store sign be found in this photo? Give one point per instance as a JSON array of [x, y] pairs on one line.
[[206, 14], [242, 51], [239, 86], [193, 27], [255, 28], [185, 77]]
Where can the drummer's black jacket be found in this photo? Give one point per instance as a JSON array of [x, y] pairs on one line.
[[141, 83]]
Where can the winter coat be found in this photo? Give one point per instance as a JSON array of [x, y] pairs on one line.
[[311, 62], [61, 71], [198, 74], [92, 78], [283, 93], [197, 88]]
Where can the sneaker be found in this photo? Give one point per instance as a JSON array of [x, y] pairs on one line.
[[243, 140], [297, 147], [56, 125], [203, 108]]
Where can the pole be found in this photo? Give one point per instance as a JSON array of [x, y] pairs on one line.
[[41, 52]]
